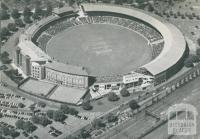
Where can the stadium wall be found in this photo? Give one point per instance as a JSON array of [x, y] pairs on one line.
[[165, 72]]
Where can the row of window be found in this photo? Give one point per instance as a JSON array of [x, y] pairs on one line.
[[64, 79]]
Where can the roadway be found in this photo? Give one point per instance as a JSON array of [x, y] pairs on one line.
[[189, 93]]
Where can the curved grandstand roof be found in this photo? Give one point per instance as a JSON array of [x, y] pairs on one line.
[[174, 46]]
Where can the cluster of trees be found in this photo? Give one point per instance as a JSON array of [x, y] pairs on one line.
[[68, 110], [189, 62], [27, 13], [14, 75], [56, 115], [5, 131], [25, 125], [61, 114], [42, 120]]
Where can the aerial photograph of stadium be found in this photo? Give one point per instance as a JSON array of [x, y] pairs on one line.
[[100, 69]]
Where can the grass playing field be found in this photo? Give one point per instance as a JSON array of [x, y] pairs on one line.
[[102, 49]]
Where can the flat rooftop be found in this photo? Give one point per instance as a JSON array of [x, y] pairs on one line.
[[68, 95], [37, 87]]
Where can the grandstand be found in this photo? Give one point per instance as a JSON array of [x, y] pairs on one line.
[[149, 33], [166, 42]]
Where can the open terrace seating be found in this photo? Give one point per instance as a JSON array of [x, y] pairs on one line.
[[42, 40], [157, 48], [148, 32], [103, 79]]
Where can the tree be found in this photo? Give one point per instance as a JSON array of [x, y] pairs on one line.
[[87, 106], [112, 96], [65, 108], [4, 54], [27, 12], [194, 58], [4, 15], [119, 2], [60, 4], [198, 52], [140, 1], [150, 8], [12, 27], [3, 6], [85, 134], [15, 14], [97, 123], [39, 11], [106, 1], [133, 104], [35, 119], [112, 118], [4, 32], [5, 130], [35, 16], [41, 104], [19, 23], [1, 115], [73, 111], [70, 2], [19, 124], [49, 8], [1, 137], [124, 92], [14, 133], [50, 113], [59, 116], [27, 19], [129, 1], [29, 127], [21, 105], [198, 41], [44, 121]]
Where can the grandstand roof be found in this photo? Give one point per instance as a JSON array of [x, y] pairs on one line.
[[66, 68], [29, 48], [62, 10], [174, 46], [35, 27]]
